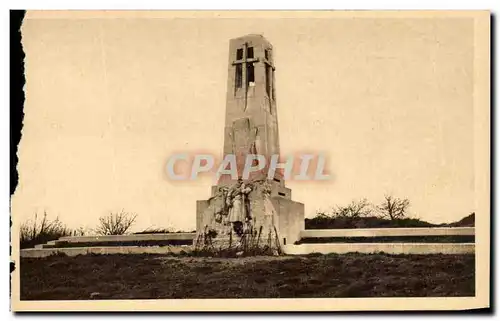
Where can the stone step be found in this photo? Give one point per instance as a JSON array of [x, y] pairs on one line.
[[43, 252], [394, 231], [129, 238], [389, 248], [56, 242], [44, 246]]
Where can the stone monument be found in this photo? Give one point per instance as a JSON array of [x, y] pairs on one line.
[[259, 208]]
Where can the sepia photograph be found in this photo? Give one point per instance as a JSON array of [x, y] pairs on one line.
[[206, 160]]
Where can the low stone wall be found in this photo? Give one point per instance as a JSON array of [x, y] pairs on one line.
[[104, 244], [74, 251], [399, 231], [389, 248], [129, 238], [302, 249]]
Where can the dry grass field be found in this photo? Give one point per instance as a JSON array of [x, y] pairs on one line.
[[87, 277]]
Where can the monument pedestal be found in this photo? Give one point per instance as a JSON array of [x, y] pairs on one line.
[[271, 221]]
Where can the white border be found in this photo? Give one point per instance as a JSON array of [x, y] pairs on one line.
[[190, 4]]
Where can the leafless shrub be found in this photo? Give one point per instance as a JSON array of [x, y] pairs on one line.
[[155, 230], [115, 223], [81, 232], [355, 209], [34, 232], [322, 214], [394, 208]]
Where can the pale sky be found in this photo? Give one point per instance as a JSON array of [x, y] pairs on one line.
[[388, 101]]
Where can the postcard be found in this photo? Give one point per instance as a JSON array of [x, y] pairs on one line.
[[252, 161]]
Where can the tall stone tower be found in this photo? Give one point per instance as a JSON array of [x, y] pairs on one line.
[[251, 117], [251, 127]]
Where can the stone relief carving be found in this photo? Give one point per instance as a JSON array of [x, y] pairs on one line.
[[245, 139]]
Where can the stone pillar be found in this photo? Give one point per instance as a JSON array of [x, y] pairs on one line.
[[251, 126]]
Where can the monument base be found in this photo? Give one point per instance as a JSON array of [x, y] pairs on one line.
[[290, 219], [270, 221]]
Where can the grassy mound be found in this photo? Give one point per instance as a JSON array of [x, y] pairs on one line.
[[467, 221], [326, 222]]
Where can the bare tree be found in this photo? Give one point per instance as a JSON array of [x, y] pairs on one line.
[[115, 223], [393, 207], [355, 209]]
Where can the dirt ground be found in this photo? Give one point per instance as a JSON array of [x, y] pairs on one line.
[[87, 277]]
